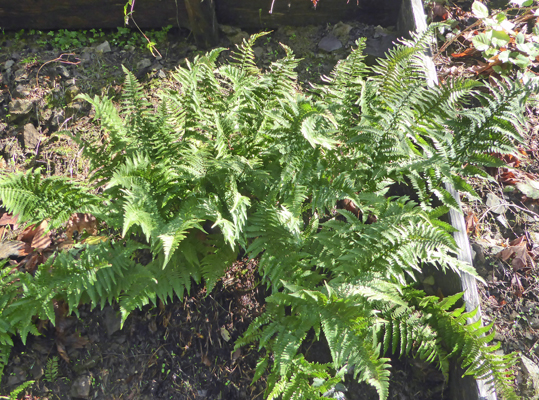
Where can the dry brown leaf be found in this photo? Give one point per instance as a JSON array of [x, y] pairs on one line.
[[62, 351], [472, 223], [27, 235], [41, 240], [81, 222], [518, 241], [516, 285], [205, 360], [8, 219], [32, 261], [235, 355]]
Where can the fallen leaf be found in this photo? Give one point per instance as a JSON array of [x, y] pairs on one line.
[[224, 334], [62, 351], [518, 241], [33, 260], [41, 240], [440, 11], [470, 51], [27, 235], [529, 187], [14, 249], [235, 355], [8, 219], [205, 360], [80, 222], [517, 286], [472, 223]]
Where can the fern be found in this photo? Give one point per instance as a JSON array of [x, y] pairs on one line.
[[236, 158]]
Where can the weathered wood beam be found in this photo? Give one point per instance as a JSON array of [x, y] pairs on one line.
[[203, 22]]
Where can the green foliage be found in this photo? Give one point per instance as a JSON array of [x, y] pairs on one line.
[[14, 394], [51, 370], [503, 38], [239, 158]]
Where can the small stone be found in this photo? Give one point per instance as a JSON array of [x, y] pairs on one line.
[[9, 64], [238, 37], [16, 377], [30, 137], [202, 393], [103, 47], [259, 51], [37, 371], [20, 109], [494, 203], [73, 110], [86, 56], [144, 63], [530, 372], [63, 71], [21, 91], [81, 387], [113, 321], [479, 257], [379, 46], [341, 30], [21, 74], [161, 74], [70, 94], [229, 30], [329, 43]]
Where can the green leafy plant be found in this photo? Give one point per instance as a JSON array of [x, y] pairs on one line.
[[506, 39], [239, 158], [14, 394], [51, 370]]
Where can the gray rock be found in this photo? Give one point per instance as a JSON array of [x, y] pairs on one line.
[[329, 43], [20, 109], [495, 204], [37, 370], [16, 377], [103, 47], [70, 94], [30, 137], [21, 75], [86, 56], [161, 74], [62, 70], [341, 31], [81, 387], [529, 378], [144, 63], [479, 256], [74, 110], [229, 30], [9, 64], [259, 51], [21, 91], [378, 47], [238, 37], [113, 321]]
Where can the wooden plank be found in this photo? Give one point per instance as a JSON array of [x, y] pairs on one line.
[[203, 22], [87, 14], [255, 14], [249, 14], [412, 18]]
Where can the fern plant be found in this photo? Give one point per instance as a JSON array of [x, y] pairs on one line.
[[239, 158]]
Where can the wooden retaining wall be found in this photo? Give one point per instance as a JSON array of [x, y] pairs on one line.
[[200, 16]]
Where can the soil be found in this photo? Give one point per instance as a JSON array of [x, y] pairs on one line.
[[185, 350]]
